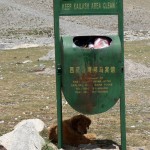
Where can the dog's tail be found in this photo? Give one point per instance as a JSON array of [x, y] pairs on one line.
[[53, 134]]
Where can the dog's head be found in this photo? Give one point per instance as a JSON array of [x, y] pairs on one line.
[[80, 123]]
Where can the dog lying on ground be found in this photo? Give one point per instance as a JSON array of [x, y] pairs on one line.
[[74, 131]]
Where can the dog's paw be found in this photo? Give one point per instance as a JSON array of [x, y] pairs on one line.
[[90, 136]]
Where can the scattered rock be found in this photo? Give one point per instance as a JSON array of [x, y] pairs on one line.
[[37, 123], [26, 61], [47, 71], [1, 77], [49, 56], [135, 70], [2, 121], [25, 136]]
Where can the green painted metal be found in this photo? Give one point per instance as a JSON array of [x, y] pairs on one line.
[[56, 6], [91, 77], [85, 7], [122, 94], [90, 7]]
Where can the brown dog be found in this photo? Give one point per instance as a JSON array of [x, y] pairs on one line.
[[74, 131]]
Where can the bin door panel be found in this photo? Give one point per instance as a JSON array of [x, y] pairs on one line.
[[91, 78]]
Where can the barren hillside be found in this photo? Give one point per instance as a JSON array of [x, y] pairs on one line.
[[31, 22]]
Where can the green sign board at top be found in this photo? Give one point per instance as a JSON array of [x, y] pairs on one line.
[[88, 7]]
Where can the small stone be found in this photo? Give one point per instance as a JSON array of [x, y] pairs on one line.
[[2, 121]]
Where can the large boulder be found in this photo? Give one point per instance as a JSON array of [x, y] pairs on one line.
[[25, 136]]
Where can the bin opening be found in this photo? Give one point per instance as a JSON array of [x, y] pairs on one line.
[[92, 42]]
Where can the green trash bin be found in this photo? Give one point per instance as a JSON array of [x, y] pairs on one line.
[[91, 77]]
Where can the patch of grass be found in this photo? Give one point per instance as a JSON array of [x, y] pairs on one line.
[[23, 94], [138, 51], [46, 147]]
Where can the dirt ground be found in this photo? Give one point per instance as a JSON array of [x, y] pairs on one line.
[[27, 79]]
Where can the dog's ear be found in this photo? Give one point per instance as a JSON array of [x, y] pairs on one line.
[[74, 121], [79, 118], [88, 122]]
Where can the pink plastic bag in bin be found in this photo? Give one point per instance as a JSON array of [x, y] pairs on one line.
[[101, 43]]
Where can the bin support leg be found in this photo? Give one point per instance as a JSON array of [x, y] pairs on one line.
[[59, 107], [123, 123]]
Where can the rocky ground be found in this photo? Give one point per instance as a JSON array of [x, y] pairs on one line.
[[30, 23]]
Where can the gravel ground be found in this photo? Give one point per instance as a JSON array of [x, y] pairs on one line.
[[20, 18]]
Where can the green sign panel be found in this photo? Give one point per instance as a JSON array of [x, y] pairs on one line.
[[76, 7], [91, 77]]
